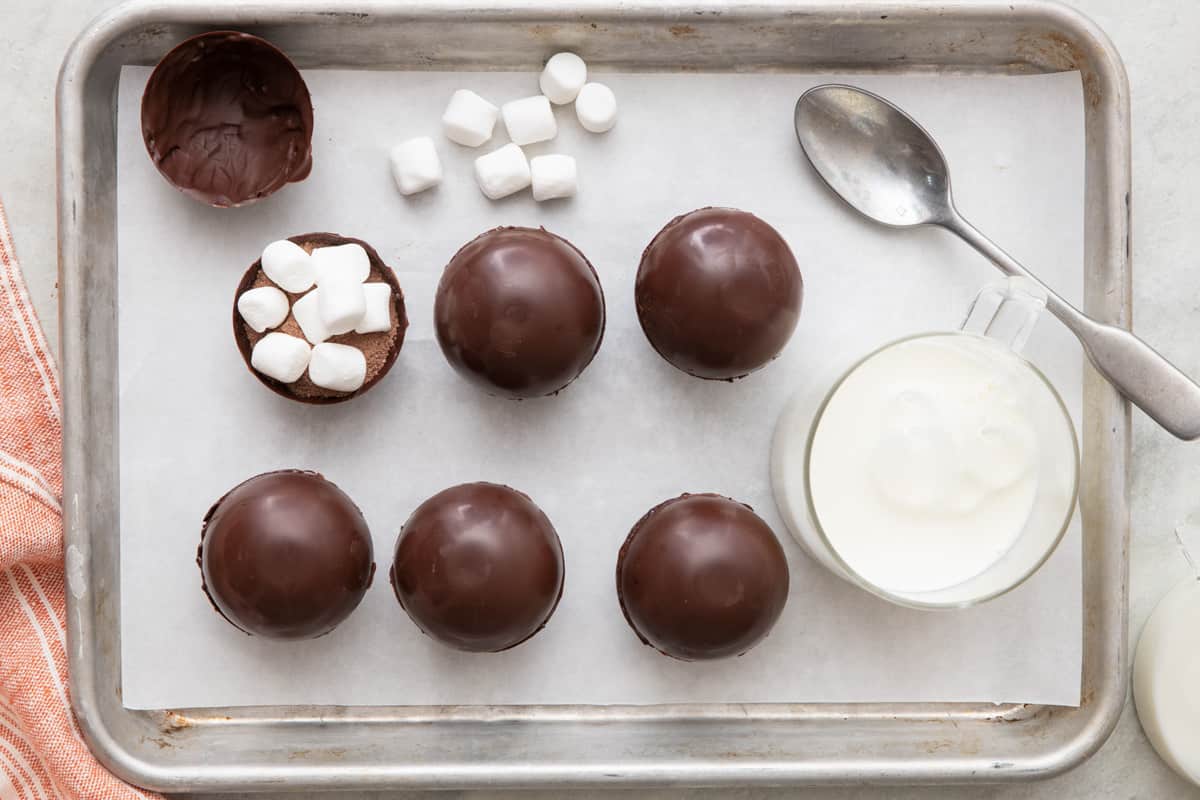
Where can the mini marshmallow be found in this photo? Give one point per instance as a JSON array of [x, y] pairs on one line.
[[596, 107], [280, 356], [378, 316], [563, 77], [552, 176], [342, 303], [415, 165], [288, 266], [307, 313], [502, 172], [338, 367], [529, 120], [348, 260], [262, 308], [469, 119]]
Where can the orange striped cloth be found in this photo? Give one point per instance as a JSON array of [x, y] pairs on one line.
[[42, 753]]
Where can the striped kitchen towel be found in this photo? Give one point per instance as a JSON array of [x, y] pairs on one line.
[[42, 753]]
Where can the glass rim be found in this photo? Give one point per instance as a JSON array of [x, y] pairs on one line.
[[904, 600]]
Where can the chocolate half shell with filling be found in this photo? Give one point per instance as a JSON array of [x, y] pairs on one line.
[[380, 349]]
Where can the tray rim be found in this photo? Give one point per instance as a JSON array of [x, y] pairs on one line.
[[1107, 132]]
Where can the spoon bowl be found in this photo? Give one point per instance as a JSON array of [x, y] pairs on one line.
[[872, 154]]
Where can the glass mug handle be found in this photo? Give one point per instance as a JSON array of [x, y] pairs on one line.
[[1007, 311]]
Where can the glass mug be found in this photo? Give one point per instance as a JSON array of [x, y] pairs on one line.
[[939, 471]]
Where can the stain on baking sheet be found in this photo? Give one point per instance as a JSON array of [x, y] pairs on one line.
[[162, 743], [1054, 51], [1018, 712], [151, 34], [173, 722], [323, 754], [353, 16], [684, 32]]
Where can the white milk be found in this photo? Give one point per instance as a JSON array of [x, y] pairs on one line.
[[933, 457]]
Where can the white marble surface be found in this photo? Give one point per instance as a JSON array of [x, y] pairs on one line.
[[1157, 41]]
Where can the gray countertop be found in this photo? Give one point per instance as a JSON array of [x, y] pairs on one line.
[[1156, 38]]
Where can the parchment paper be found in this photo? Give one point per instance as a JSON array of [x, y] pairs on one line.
[[630, 433]]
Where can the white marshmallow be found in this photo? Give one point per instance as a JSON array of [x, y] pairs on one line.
[[262, 308], [342, 303], [562, 78], [307, 313], [415, 165], [280, 356], [596, 107], [342, 260], [529, 120], [378, 316], [502, 172], [552, 176], [338, 367], [469, 119], [288, 266]]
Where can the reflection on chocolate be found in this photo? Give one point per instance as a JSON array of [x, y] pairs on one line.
[[519, 312], [478, 567], [701, 576], [285, 555], [227, 118], [718, 293], [380, 348]]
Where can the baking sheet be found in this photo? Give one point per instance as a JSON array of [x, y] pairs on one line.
[[629, 433]]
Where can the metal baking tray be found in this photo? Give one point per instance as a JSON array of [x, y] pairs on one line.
[[557, 746]]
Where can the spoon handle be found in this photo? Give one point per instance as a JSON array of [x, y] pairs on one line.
[[1134, 368]]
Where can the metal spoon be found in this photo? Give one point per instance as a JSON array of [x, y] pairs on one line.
[[889, 168]]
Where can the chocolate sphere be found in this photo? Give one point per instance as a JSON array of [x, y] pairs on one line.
[[519, 312], [285, 555], [701, 576], [379, 348], [718, 293], [478, 567], [227, 119]]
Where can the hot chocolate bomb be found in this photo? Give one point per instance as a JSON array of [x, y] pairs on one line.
[[718, 293], [700, 577], [519, 312], [285, 555], [478, 567]]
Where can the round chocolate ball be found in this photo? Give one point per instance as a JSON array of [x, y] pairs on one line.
[[718, 293], [519, 312], [478, 567], [227, 119], [285, 555], [700, 577], [379, 348]]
